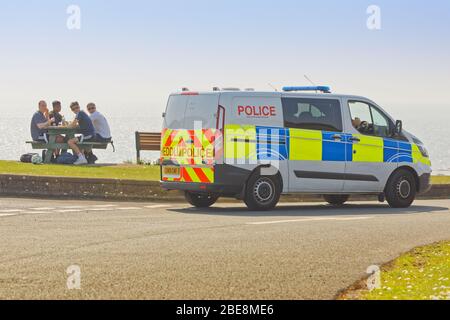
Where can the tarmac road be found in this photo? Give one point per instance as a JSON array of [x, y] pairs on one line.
[[171, 251]]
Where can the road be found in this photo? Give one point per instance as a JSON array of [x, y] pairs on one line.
[[171, 251]]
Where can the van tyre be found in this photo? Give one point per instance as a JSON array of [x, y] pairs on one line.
[[401, 189], [201, 200], [262, 192], [336, 199]]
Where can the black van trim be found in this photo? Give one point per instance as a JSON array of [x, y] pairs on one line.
[[335, 176]]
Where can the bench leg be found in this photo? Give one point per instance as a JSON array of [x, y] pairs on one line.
[[138, 156], [48, 156]]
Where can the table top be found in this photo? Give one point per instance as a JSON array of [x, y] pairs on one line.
[[61, 130]]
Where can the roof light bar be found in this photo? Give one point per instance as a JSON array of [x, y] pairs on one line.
[[323, 89]]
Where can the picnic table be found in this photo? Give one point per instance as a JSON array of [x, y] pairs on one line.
[[69, 133]]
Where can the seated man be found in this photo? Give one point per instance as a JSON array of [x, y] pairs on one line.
[[39, 123], [100, 124], [86, 129], [55, 114]]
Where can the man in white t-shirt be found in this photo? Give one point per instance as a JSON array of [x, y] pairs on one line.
[[103, 132]]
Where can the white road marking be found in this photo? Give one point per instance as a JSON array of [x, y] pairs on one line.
[[105, 206], [7, 215], [41, 209], [98, 209], [34, 212], [128, 208], [156, 206], [309, 220], [11, 210], [73, 207], [68, 211]]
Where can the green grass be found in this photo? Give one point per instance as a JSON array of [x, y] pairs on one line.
[[441, 179], [129, 172], [422, 274], [125, 171]]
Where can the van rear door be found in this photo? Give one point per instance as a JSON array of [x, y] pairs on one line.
[[188, 138]]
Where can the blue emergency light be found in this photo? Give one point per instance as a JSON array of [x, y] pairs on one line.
[[323, 89]]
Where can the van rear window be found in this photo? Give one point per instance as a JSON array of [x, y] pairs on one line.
[[192, 111], [176, 107], [313, 114]]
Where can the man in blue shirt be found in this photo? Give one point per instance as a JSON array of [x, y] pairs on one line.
[[85, 129], [39, 123]]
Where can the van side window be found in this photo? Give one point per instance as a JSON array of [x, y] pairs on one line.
[[369, 120], [314, 114]]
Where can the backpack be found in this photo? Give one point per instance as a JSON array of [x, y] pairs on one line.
[[26, 158], [66, 158]]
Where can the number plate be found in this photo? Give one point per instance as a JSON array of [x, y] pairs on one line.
[[171, 172]]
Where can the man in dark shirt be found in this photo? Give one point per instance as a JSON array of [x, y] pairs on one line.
[[56, 113], [39, 123], [85, 129]]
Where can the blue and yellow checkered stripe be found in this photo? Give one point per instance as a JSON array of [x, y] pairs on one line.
[[272, 144]]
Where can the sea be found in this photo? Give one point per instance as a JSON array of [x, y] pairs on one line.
[[431, 124]]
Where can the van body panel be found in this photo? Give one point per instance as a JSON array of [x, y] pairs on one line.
[[213, 142]]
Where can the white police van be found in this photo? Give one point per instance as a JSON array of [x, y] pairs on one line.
[[255, 146]]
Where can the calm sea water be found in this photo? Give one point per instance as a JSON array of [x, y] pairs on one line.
[[432, 126]]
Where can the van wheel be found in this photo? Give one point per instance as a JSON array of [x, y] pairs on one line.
[[401, 189], [200, 200], [262, 192], [336, 199]]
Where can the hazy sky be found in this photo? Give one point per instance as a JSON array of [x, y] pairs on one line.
[[137, 52]]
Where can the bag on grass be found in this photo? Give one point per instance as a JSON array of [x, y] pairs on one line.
[[26, 158], [36, 159]]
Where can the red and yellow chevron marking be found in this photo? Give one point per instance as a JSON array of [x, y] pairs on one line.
[[189, 147], [192, 150], [193, 175]]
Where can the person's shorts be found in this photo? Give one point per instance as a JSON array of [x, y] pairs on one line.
[[43, 138], [82, 138]]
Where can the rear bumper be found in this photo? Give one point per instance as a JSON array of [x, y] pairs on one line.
[[228, 181], [224, 190], [424, 183]]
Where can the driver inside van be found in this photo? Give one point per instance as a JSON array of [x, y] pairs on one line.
[[356, 123]]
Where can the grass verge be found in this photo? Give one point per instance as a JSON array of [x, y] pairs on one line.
[[125, 171], [128, 172], [441, 179], [422, 274]]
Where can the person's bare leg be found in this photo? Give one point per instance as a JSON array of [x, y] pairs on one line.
[[73, 145], [81, 158]]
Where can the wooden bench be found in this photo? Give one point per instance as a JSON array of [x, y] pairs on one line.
[[147, 141]]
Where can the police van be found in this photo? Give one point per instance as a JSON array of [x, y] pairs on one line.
[[255, 146]]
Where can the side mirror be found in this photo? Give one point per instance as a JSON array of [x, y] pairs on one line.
[[398, 127], [163, 114]]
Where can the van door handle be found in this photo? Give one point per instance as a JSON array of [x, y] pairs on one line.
[[355, 139], [337, 137]]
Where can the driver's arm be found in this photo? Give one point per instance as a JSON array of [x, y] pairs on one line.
[[356, 123]]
